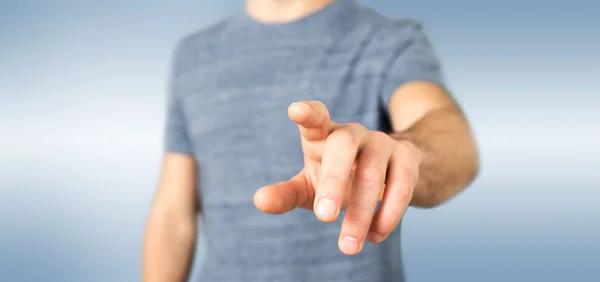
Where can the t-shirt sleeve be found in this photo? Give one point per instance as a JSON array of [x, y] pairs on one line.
[[177, 138], [414, 59]]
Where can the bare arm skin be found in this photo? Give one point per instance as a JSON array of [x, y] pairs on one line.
[[171, 227], [431, 157], [427, 117]]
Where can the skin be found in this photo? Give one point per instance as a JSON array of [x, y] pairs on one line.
[[431, 157], [282, 11], [170, 235]]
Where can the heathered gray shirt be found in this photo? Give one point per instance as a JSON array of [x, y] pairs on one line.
[[231, 86]]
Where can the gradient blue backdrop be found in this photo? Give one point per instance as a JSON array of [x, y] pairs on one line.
[[80, 155]]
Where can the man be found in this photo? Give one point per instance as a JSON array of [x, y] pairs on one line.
[[338, 114]]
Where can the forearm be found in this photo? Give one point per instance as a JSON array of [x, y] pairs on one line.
[[168, 247], [450, 156]]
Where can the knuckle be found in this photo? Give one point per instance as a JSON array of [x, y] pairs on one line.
[[407, 171], [409, 152], [402, 148], [404, 194], [343, 136], [378, 136], [356, 126], [398, 153]]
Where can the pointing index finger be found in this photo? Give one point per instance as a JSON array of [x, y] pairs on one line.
[[312, 118]]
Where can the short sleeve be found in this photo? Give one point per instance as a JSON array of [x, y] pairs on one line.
[[414, 59], [177, 138]]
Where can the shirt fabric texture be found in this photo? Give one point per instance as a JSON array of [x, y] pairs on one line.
[[231, 85]]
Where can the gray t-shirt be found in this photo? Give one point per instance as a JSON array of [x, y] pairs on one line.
[[231, 86]]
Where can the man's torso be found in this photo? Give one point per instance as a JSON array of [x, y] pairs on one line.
[[235, 81]]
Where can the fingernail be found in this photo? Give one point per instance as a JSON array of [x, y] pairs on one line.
[[349, 245], [300, 104], [375, 237], [326, 207]]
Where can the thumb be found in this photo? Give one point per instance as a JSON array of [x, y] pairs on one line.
[[285, 196]]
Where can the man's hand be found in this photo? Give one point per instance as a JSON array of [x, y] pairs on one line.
[[347, 167]]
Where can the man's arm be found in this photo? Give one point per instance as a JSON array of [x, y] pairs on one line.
[[425, 116], [171, 227]]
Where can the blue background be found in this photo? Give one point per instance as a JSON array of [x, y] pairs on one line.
[[82, 87]]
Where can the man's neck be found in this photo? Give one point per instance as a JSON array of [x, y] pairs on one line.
[[283, 11]]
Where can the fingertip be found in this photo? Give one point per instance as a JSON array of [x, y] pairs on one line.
[[349, 245], [260, 199], [375, 237], [299, 112], [326, 210]]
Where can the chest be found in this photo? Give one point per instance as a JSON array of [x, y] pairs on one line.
[[243, 95]]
